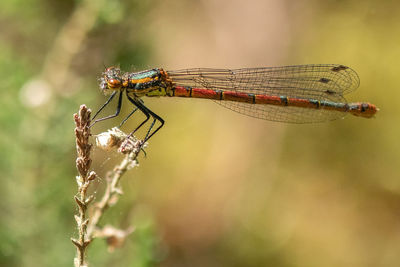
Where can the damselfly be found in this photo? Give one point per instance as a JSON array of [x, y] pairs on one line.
[[294, 94]]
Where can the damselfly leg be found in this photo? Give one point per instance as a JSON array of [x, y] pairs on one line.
[[147, 112], [105, 104], [139, 106], [127, 117], [156, 117]]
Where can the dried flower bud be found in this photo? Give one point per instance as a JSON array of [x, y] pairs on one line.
[[117, 139], [111, 139]]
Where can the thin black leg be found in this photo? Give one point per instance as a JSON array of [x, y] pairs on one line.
[[104, 105], [142, 109], [113, 115], [155, 117], [127, 117]]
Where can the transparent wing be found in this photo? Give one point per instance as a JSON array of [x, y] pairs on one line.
[[328, 82], [288, 114]]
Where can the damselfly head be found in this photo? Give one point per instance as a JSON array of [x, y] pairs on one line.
[[111, 80]]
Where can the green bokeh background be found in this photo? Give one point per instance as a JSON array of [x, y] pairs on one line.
[[216, 188]]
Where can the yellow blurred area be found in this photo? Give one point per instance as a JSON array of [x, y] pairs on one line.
[[216, 188]]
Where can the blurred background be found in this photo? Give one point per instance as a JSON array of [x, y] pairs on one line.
[[217, 188]]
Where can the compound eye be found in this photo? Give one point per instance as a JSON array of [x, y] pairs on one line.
[[114, 83]]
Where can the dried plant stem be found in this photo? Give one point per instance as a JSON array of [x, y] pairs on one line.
[[87, 225], [113, 191], [83, 162]]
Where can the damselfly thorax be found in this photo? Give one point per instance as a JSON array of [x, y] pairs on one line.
[[154, 82]]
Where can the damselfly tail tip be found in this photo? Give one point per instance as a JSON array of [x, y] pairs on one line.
[[365, 110]]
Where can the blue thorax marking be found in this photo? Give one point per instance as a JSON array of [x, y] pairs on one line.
[[144, 74]]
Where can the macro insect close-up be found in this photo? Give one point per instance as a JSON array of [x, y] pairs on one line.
[[199, 133], [294, 94]]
